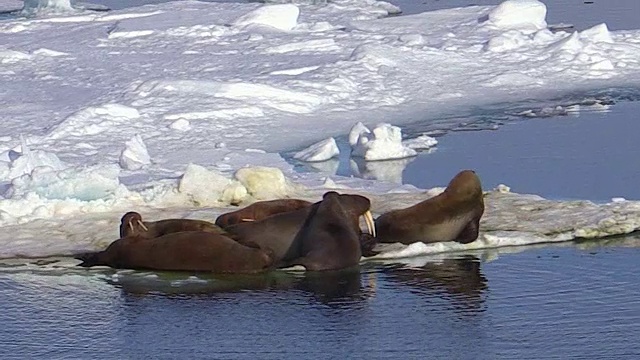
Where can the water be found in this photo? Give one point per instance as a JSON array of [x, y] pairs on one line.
[[572, 300], [547, 302]]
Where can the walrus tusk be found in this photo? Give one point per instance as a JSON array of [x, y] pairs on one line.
[[371, 226], [142, 225], [131, 226], [247, 219]]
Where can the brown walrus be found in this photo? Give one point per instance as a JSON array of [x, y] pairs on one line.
[[132, 225], [277, 232], [454, 215], [181, 251], [330, 235], [261, 210]]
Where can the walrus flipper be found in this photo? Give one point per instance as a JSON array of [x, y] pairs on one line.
[[89, 259], [470, 232], [367, 243]]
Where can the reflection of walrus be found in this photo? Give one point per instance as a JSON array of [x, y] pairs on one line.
[[453, 215], [261, 210], [276, 232], [460, 280], [183, 251], [132, 225], [330, 236]]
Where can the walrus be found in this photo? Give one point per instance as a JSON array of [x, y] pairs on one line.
[[453, 215], [277, 232], [260, 210], [196, 251], [330, 236], [131, 224]]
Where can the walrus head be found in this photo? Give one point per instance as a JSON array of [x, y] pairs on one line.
[[131, 224], [465, 186], [356, 206]]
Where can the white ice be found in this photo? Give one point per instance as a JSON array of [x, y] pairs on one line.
[[383, 143], [227, 87], [320, 151], [135, 154]]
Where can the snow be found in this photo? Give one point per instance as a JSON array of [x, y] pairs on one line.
[[182, 109]]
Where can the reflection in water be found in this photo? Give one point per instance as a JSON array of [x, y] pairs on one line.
[[388, 170], [328, 167], [332, 288], [457, 280], [338, 288]]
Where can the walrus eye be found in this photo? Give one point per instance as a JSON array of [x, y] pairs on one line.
[[371, 226], [142, 225]]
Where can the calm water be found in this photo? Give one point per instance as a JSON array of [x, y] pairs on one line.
[[574, 300], [552, 302]]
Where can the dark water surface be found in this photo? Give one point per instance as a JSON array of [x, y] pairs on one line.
[[551, 302]]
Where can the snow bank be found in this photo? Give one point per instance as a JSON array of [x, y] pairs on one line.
[[320, 151], [280, 16]]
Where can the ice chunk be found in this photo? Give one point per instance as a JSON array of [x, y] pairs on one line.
[[35, 6], [356, 131], [320, 151], [385, 143], [135, 155], [83, 184], [180, 125], [598, 33], [421, 142], [28, 160], [279, 16], [522, 14], [264, 183], [208, 187]]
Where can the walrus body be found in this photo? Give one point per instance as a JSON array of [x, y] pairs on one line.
[[276, 232], [454, 215], [330, 236], [132, 225], [183, 251], [261, 210]]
